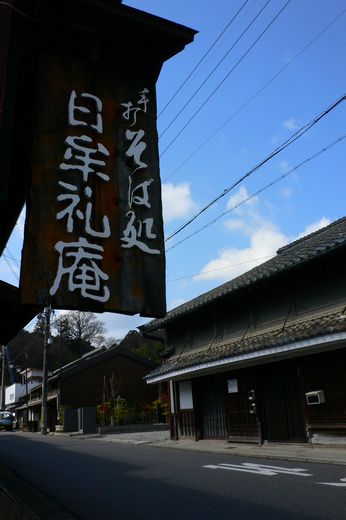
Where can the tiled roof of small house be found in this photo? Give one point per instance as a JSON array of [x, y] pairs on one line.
[[288, 257], [311, 326], [99, 355]]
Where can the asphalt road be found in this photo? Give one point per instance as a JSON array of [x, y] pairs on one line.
[[97, 480]]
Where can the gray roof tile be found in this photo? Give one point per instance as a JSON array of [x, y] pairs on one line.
[[318, 324]]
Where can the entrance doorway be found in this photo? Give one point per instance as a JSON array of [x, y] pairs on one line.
[[281, 406], [212, 408]]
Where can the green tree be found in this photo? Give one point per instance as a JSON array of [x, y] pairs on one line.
[[149, 348], [40, 324]]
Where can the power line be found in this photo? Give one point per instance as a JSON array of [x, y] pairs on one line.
[[11, 258], [11, 255], [255, 94], [5, 257], [10, 266], [221, 268], [224, 79], [7, 4], [215, 68], [247, 199], [297, 135], [202, 59]]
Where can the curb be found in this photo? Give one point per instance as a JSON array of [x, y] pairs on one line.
[[243, 453]]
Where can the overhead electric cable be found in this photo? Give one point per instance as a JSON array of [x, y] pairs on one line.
[[11, 268], [10, 258], [269, 185], [206, 141], [202, 59], [297, 135], [7, 4], [224, 79], [11, 255], [215, 68]]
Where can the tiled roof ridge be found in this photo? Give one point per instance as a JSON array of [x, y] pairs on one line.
[[102, 353], [299, 241]]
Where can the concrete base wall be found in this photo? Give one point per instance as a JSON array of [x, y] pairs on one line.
[[319, 438], [134, 428]]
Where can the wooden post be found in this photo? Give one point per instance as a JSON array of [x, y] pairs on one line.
[[44, 415], [2, 394]]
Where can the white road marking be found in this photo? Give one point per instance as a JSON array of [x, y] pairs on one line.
[[342, 483], [260, 469]]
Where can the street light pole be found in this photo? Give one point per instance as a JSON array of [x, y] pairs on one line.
[[44, 416]]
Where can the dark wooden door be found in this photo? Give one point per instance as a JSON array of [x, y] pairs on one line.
[[211, 398], [242, 423], [281, 406]]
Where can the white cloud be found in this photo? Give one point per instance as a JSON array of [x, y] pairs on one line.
[[241, 195], [118, 325], [315, 226], [21, 223], [234, 224], [284, 166], [276, 138], [175, 303], [265, 239], [177, 201], [290, 124], [286, 193]]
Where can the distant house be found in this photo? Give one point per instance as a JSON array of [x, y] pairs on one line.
[[30, 378], [82, 384], [263, 357]]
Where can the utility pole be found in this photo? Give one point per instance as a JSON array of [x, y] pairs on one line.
[[2, 393], [44, 415], [26, 392]]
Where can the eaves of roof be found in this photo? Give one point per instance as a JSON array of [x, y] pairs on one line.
[[301, 251], [312, 326]]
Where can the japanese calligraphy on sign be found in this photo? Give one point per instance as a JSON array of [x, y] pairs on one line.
[[94, 234], [138, 233], [84, 273]]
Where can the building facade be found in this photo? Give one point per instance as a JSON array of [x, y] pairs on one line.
[[262, 358], [81, 384], [30, 378]]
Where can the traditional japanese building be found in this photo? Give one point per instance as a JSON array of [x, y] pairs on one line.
[[263, 356], [81, 384]]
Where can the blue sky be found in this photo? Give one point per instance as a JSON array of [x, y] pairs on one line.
[[304, 51]]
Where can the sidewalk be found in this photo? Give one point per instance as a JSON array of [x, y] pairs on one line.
[[330, 454]]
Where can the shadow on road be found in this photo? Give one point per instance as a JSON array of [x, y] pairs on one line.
[[103, 481]]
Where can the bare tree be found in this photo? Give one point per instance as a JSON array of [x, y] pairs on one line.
[[77, 325], [81, 330]]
